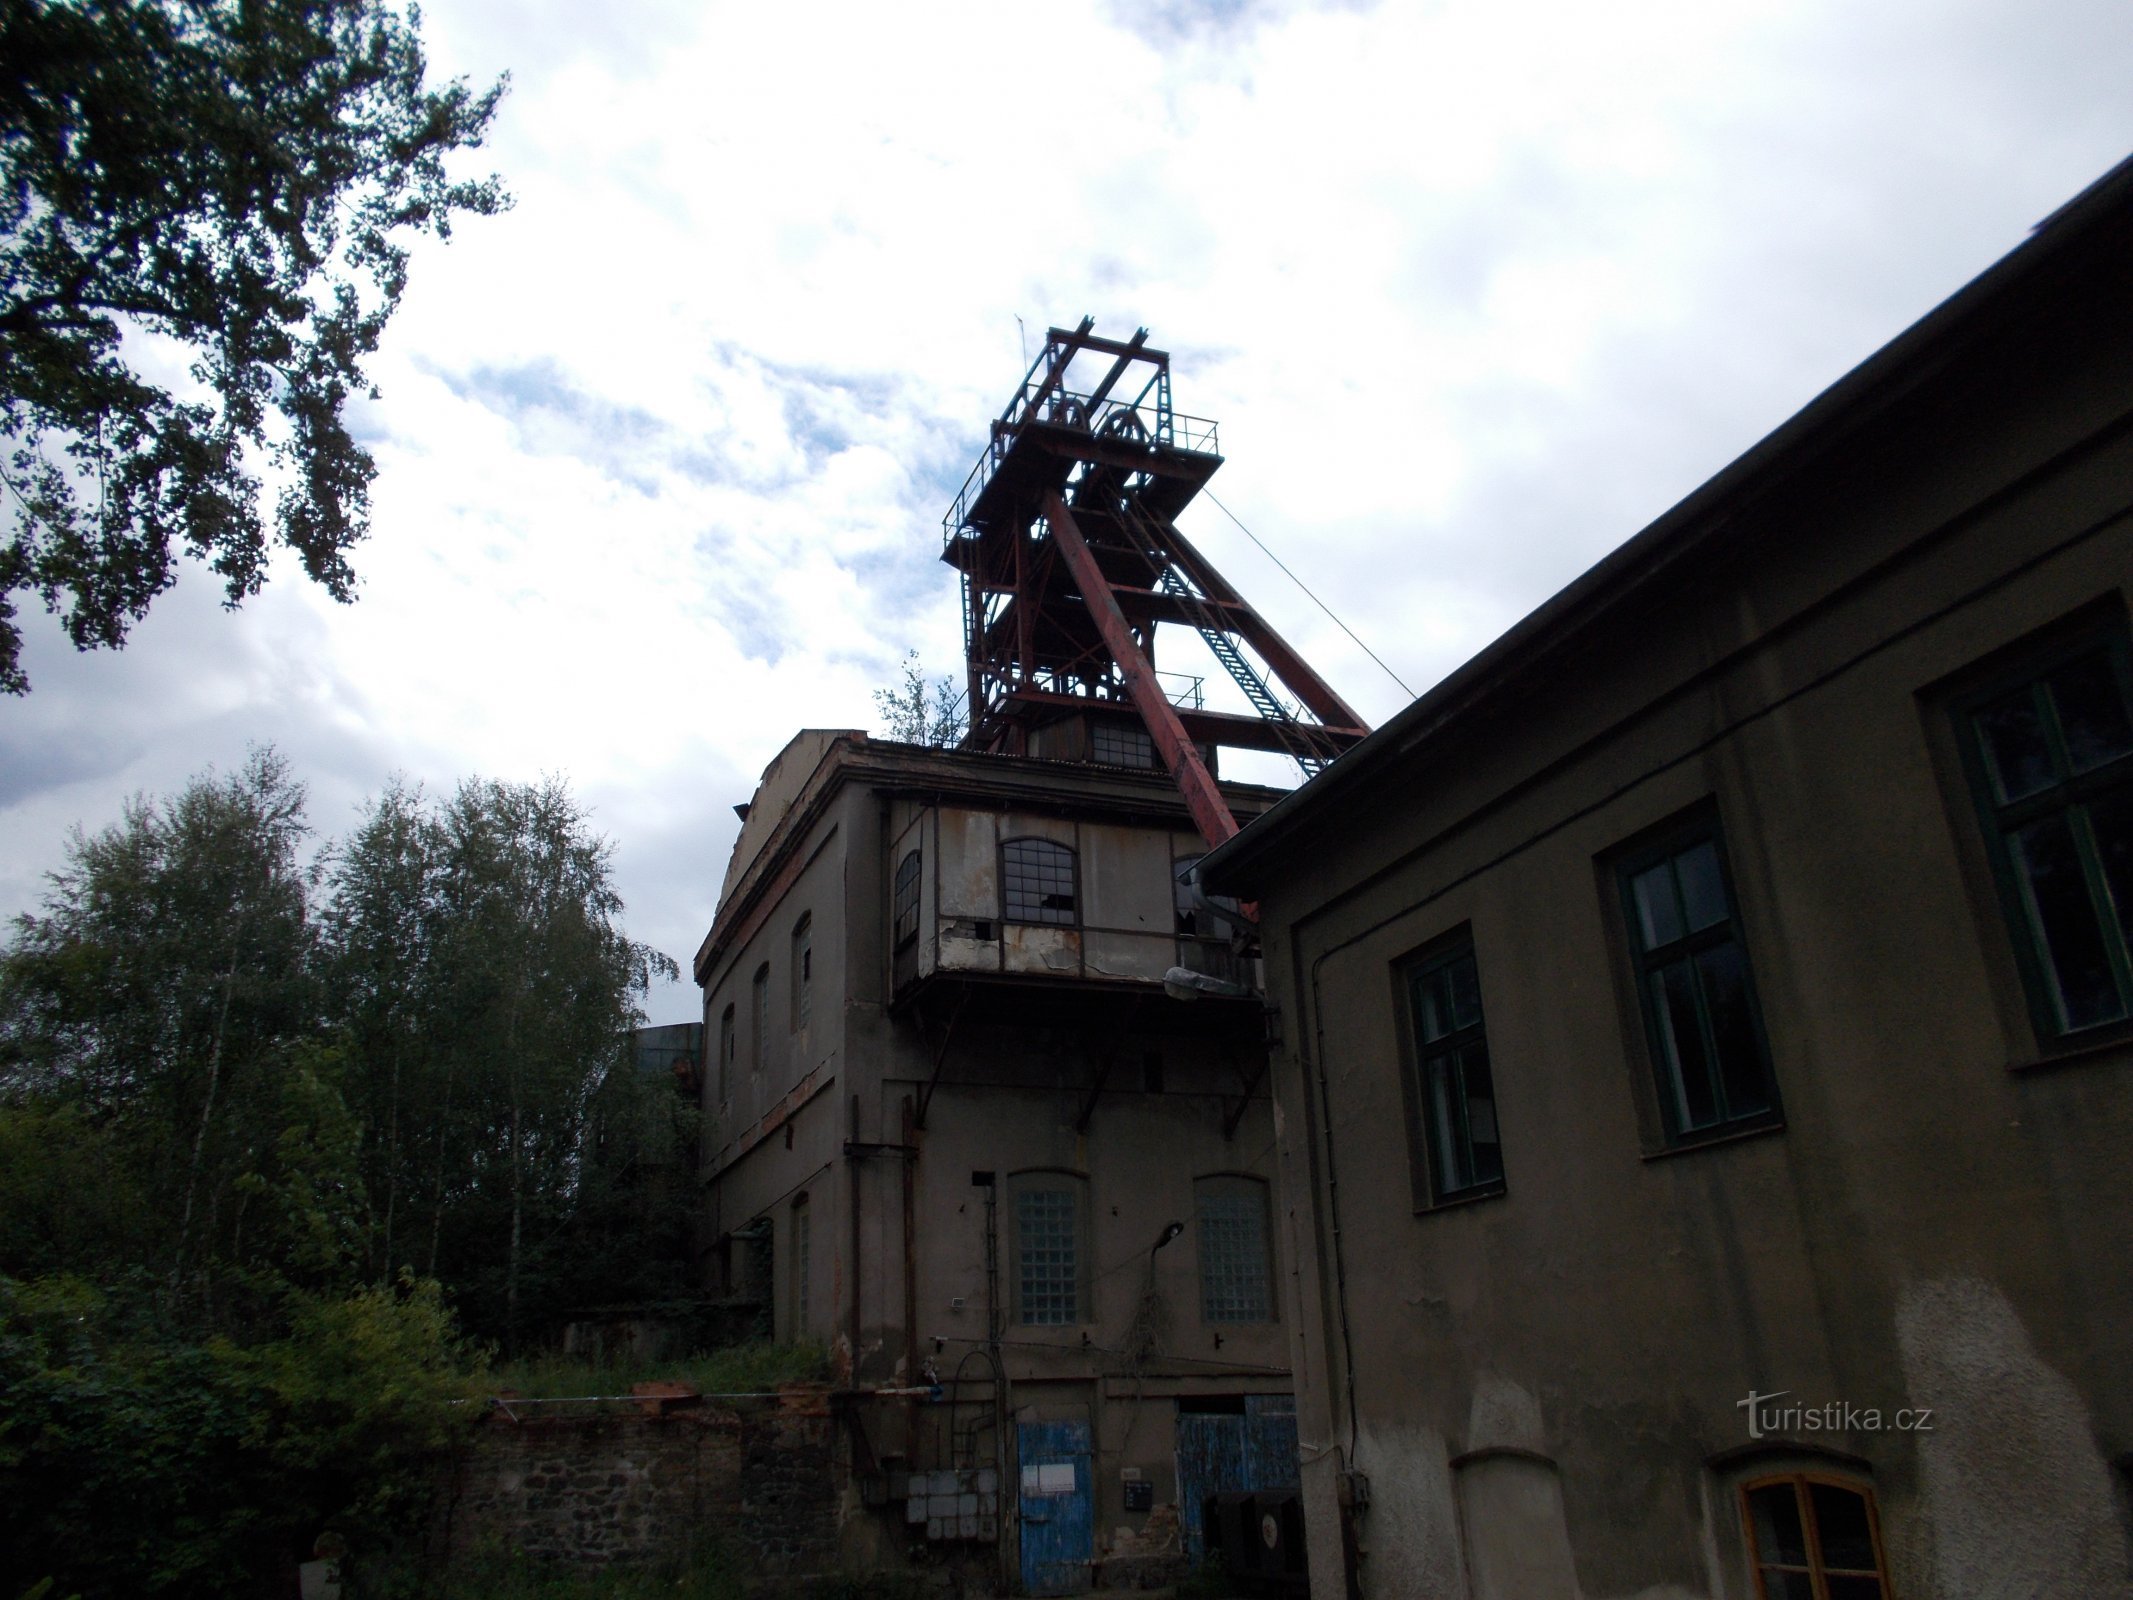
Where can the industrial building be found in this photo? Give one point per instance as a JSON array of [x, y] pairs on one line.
[[984, 1095], [1705, 1078]]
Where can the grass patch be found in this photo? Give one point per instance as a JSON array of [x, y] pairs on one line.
[[738, 1369]]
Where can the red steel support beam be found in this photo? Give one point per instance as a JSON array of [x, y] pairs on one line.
[[1209, 810], [1288, 666]]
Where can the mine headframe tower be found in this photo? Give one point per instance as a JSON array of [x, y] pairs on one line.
[[1069, 555]]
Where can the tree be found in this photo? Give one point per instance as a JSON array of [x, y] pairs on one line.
[[166, 992], [229, 180], [381, 926], [530, 992], [918, 710]]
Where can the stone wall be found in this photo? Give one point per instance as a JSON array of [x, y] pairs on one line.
[[655, 1480]]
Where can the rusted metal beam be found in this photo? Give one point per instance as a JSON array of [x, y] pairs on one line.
[[1126, 358], [1209, 727], [1288, 666], [1157, 460], [1209, 810], [1055, 370], [1157, 605], [1082, 339]]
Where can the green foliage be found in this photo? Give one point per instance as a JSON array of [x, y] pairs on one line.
[[756, 1368], [918, 710], [201, 1464], [163, 995], [237, 1098], [69, 1196], [238, 183]]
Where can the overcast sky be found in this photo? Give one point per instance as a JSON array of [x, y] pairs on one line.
[[1475, 289]]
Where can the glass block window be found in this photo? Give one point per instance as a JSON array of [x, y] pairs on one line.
[[1118, 744], [905, 901], [1235, 1283], [1700, 1013], [1048, 1250], [2051, 759], [1813, 1537], [1464, 1152], [1037, 881]]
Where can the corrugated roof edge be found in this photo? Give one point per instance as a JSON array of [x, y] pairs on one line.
[[1873, 383]]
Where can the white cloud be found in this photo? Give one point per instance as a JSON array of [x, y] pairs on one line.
[[1474, 289]]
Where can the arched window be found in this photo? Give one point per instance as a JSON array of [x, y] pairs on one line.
[[803, 970], [759, 1016], [1235, 1277], [1037, 879], [725, 1055], [1810, 1534], [905, 901]]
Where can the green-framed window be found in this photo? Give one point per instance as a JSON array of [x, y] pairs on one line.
[[1695, 985], [2050, 759], [1453, 1083]]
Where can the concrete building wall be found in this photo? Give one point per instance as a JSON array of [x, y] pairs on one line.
[[991, 1046], [1539, 1391]]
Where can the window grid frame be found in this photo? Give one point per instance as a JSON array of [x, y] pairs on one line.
[[1817, 1570], [1668, 846], [803, 970], [903, 902], [1236, 1273], [2071, 795], [1449, 1049], [1032, 868], [1132, 747], [1050, 1261]]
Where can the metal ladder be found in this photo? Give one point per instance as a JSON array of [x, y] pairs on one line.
[[1296, 736]]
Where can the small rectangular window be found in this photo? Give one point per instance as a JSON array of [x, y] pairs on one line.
[[1701, 1019], [905, 915], [2050, 758], [1117, 744], [1454, 1086], [1037, 882]]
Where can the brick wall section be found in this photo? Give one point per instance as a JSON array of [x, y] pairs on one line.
[[655, 1482]]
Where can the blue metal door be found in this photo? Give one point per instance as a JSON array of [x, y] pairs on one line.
[[1220, 1451], [1270, 1441], [1210, 1461], [1058, 1507]]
